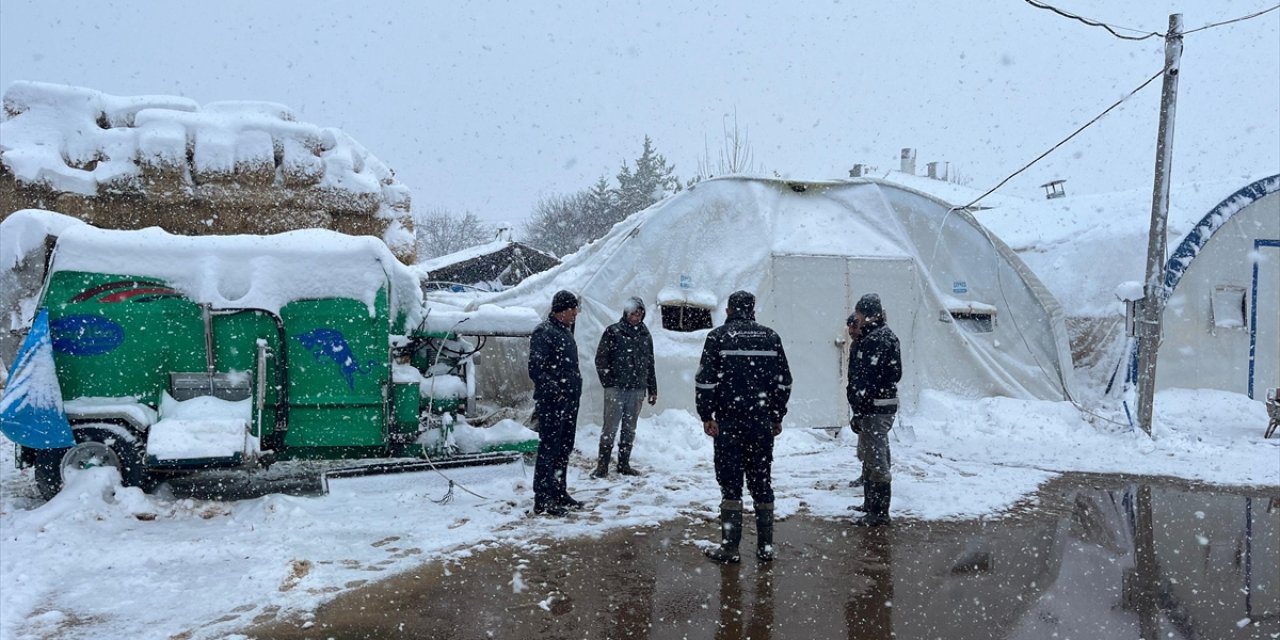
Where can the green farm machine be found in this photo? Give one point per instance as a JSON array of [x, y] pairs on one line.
[[175, 354]]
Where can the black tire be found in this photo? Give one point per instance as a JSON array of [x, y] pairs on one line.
[[96, 445]]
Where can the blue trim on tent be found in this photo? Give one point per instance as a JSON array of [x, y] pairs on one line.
[[1194, 242], [1253, 313], [1218, 216]]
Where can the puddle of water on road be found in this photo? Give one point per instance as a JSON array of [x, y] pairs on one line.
[[1097, 558]]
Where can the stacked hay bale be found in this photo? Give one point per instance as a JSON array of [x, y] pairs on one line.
[[222, 168]]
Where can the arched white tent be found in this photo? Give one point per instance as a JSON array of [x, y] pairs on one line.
[[1222, 288], [972, 319]]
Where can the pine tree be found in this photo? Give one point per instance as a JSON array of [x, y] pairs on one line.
[[599, 209], [652, 180]]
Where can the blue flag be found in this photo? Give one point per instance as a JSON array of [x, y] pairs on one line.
[[31, 410]]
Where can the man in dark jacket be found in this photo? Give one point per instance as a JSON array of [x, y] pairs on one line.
[[875, 367], [557, 388], [743, 384], [624, 361]]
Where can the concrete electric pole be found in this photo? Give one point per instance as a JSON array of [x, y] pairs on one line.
[[1151, 307]]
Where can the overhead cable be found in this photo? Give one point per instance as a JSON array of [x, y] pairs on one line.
[[1145, 34], [1095, 23], [1240, 19], [1066, 139]]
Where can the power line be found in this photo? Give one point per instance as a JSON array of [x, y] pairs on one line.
[[1225, 22], [1112, 28], [1066, 139], [1094, 23]]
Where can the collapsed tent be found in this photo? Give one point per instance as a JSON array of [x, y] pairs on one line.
[[971, 317]]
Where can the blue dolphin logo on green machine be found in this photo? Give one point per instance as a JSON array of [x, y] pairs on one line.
[[330, 343]]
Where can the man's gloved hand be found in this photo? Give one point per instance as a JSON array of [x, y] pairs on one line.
[[853, 424]]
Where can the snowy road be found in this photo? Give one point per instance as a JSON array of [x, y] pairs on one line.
[[103, 561]]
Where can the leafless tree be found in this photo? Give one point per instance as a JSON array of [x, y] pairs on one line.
[[440, 232], [734, 156]]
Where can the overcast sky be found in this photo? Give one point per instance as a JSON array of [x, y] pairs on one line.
[[485, 107]]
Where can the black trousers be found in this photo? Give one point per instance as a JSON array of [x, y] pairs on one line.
[[745, 450], [557, 429]]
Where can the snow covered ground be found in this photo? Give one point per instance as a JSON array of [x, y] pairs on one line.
[[101, 561]]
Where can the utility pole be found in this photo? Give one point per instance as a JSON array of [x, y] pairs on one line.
[[1151, 307]]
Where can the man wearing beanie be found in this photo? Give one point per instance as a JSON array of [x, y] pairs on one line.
[[624, 361], [875, 367], [742, 388], [557, 388]]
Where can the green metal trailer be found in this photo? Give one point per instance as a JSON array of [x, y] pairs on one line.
[[239, 351]]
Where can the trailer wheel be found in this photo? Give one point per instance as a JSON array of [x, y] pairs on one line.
[[96, 445]]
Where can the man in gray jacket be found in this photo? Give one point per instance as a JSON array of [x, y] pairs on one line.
[[624, 361]]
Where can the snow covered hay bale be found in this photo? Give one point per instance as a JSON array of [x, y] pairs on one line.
[[972, 318], [222, 168]]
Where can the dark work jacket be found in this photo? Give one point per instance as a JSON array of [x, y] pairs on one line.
[[875, 367], [624, 358], [743, 376], [553, 363]]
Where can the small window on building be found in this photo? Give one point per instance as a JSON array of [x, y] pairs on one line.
[[972, 320], [685, 317], [1227, 307]]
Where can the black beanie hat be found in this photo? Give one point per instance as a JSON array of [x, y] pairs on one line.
[[869, 306], [742, 302], [563, 300]]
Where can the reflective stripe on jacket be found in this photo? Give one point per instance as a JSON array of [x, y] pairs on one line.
[[743, 375]]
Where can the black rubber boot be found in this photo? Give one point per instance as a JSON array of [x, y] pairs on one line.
[[624, 462], [730, 532], [877, 503], [602, 468], [764, 533]]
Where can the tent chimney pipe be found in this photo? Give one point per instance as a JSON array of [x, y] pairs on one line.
[[940, 170], [909, 160]]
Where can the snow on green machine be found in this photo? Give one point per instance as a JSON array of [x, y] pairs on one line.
[[161, 354]]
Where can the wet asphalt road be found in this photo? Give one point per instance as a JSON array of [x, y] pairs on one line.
[[1096, 558]]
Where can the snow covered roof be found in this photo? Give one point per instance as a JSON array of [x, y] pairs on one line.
[[472, 253], [261, 272], [1084, 246], [955, 195], [1199, 235], [82, 141]]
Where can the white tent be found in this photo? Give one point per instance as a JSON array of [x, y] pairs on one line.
[[1222, 313], [972, 319]]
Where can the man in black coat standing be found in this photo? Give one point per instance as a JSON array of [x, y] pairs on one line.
[[875, 367], [624, 362], [743, 385], [557, 389]]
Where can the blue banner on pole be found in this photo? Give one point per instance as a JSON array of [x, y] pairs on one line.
[[31, 410]]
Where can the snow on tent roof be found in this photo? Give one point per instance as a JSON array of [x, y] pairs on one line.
[[262, 272], [1084, 246], [1200, 234], [76, 140], [808, 250]]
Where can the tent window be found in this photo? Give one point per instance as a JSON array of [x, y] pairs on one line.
[[684, 317], [971, 320], [1227, 307]]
